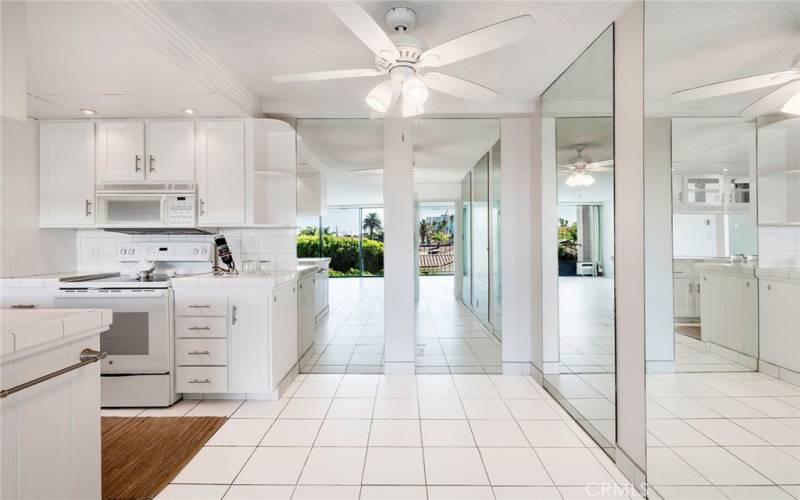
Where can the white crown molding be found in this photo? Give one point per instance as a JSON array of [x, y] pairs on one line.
[[188, 54]]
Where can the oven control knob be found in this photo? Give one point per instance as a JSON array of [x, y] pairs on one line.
[[205, 251], [195, 251], [123, 251], [131, 251]]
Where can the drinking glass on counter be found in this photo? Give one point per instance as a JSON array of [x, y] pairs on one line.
[[249, 267], [264, 266]]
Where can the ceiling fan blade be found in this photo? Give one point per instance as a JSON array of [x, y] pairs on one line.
[[365, 28], [326, 75], [600, 164], [772, 102], [459, 87], [735, 86], [478, 42]]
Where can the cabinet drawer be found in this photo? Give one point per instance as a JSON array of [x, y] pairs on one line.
[[200, 305], [201, 379], [201, 327], [201, 352]]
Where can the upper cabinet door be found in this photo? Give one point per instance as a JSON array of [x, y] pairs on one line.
[[66, 173], [120, 152], [170, 151], [221, 172]]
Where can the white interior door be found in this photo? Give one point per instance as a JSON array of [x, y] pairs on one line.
[[120, 151]]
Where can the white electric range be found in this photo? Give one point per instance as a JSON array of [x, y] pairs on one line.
[[140, 368]]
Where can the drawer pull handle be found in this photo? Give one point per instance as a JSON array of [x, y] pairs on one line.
[[199, 328], [23, 306], [200, 306], [198, 353], [196, 381]]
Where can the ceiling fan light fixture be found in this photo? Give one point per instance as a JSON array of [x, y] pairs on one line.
[[380, 97], [415, 92], [792, 106], [579, 179]]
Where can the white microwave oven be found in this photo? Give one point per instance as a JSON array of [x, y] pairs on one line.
[[146, 209]]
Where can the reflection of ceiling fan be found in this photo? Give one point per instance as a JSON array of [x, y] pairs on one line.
[[580, 166], [404, 55], [786, 97]]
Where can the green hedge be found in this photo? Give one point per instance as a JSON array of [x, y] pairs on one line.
[[343, 251]]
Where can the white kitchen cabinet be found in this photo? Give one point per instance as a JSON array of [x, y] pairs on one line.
[[322, 295], [66, 173], [283, 332], [221, 172], [273, 169], [703, 191], [170, 151], [248, 341], [120, 152], [730, 308], [750, 317], [306, 312], [683, 297], [739, 193], [26, 298], [779, 319]]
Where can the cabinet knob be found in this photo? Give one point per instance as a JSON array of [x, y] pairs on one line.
[[23, 306], [197, 381], [769, 287], [152, 168], [198, 353], [202, 207], [136, 165], [88, 207], [234, 311]]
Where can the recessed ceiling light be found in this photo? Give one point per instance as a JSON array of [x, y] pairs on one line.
[[189, 111], [87, 111], [724, 169]]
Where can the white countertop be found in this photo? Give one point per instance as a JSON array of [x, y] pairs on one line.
[[322, 262], [25, 329], [727, 268], [304, 269], [210, 280], [787, 273]]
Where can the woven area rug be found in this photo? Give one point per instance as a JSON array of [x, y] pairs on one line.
[[141, 455]]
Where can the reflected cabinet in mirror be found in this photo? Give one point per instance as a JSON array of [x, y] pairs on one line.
[[722, 250], [578, 157]]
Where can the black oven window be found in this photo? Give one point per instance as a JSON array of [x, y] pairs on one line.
[[128, 335]]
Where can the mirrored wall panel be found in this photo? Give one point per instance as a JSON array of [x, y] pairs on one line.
[[456, 185], [722, 249], [578, 151]]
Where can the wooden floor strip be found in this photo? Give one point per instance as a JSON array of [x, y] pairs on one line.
[[141, 455]]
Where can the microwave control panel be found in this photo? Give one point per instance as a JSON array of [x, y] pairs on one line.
[[180, 210]]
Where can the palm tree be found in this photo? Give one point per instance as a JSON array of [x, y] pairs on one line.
[[425, 230], [372, 223]]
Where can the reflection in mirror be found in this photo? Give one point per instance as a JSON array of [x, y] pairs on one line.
[[578, 148], [457, 199], [723, 306], [340, 217]]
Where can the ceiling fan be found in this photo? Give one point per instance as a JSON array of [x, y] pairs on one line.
[[580, 166], [403, 55], [786, 97]]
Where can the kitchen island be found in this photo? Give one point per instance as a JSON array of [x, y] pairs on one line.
[[50, 428]]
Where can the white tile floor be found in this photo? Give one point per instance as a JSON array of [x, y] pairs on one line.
[[431, 437], [449, 338], [723, 435]]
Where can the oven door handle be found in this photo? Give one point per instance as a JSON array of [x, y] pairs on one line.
[[109, 294]]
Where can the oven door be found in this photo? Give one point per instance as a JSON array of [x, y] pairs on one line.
[[139, 340]]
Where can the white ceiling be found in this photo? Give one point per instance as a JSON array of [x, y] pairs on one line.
[[89, 55], [595, 134], [257, 40], [709, 145], [688, 44]]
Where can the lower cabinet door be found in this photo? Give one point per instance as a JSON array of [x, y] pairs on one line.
[[248, 341], [198, 379]]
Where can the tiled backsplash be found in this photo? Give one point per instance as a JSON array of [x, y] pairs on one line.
[[779, 246], [97, 249]]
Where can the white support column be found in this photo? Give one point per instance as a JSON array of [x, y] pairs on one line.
[[629, 241], [519, 155], [398, 251], [548, 363]]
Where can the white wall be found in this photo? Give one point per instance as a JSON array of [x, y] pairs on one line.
[[660, 335], [549, 362], [26, 249], [13, 53]]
